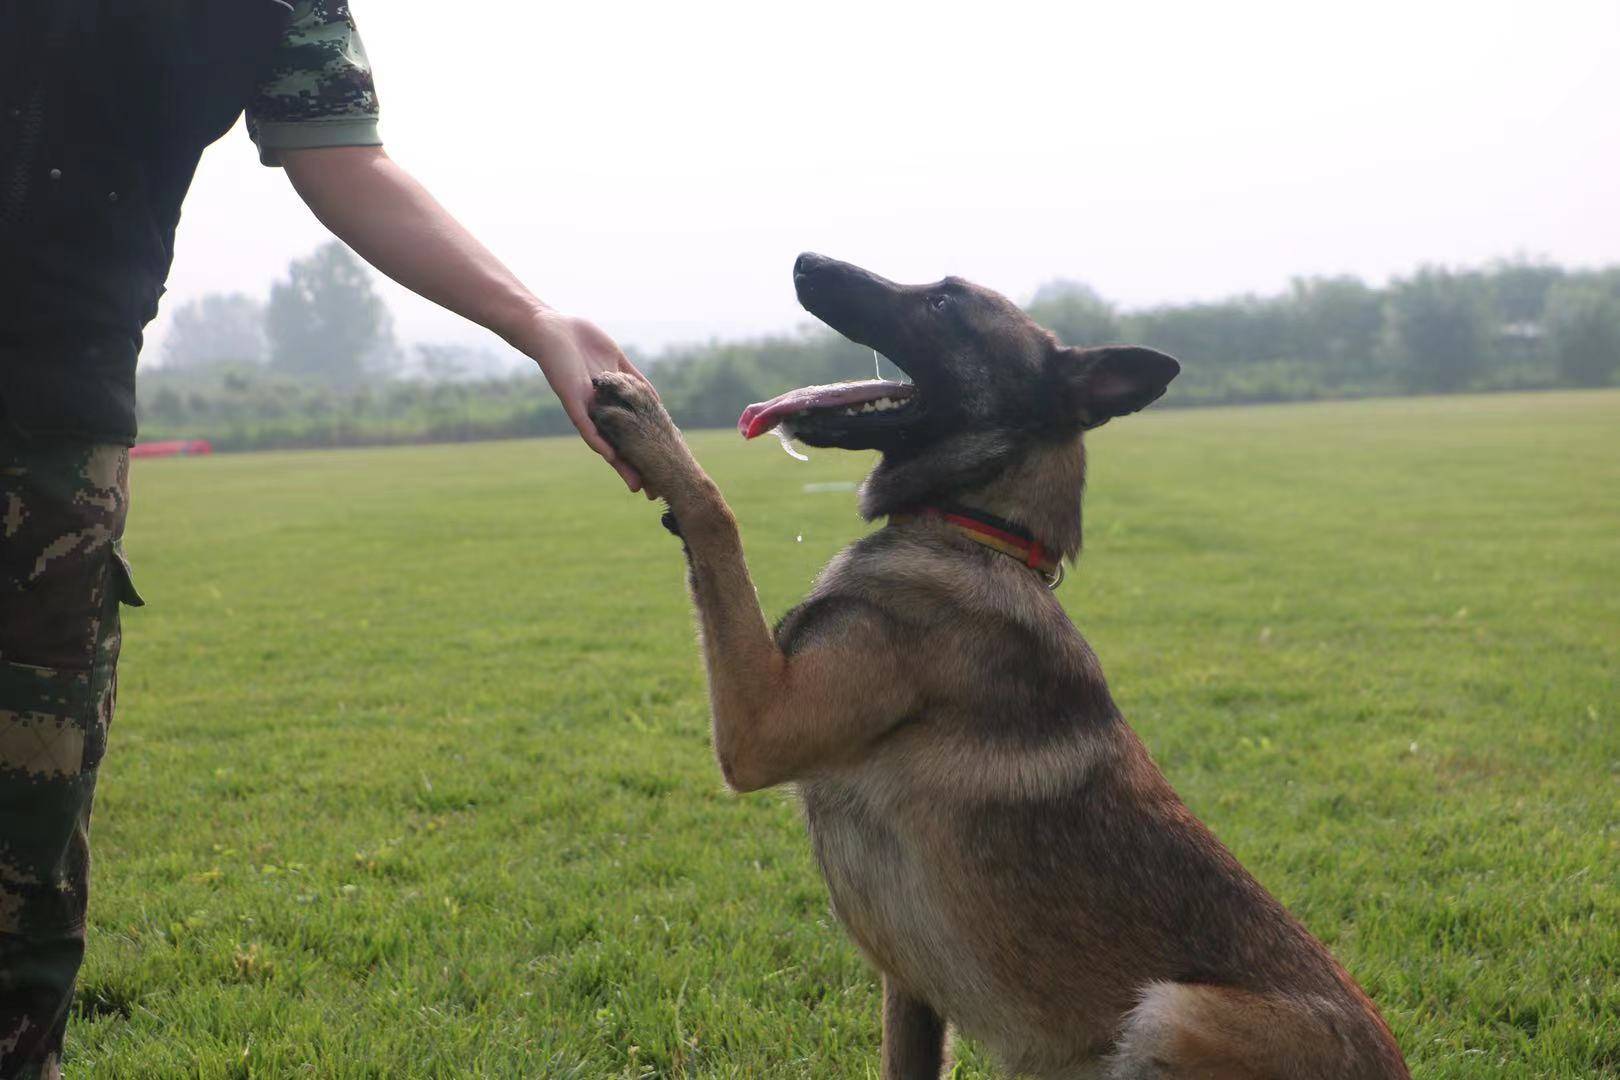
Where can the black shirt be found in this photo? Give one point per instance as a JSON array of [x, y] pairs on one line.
[[105, 109]]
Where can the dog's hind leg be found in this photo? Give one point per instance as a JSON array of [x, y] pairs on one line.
[[1183, 1031], [913, 1037]]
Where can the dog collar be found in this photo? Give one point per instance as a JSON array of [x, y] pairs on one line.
[[994, 533]]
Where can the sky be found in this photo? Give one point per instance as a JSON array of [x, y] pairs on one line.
[[656, 167]]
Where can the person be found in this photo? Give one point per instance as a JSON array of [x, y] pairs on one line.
[[105, 109]]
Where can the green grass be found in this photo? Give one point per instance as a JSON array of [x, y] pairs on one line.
[[411, 774]]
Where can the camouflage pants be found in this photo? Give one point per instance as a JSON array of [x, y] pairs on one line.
[[62, 577]]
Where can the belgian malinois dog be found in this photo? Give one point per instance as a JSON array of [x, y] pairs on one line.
[[993, 836]]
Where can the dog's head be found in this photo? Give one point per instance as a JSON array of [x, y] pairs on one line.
[[988, 384]]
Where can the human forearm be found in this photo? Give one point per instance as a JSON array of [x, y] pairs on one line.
[[396, 225], [380, 210]]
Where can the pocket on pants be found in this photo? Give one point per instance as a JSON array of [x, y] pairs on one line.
[[47, 738], [47, 717], [54, 720]]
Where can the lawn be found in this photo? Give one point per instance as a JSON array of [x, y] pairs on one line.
[[411, 772]]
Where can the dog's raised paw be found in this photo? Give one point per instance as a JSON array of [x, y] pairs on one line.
[[627, 413], [616, 390], [614, 409]]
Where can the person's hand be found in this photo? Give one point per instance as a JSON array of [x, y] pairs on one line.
[[571, 352]]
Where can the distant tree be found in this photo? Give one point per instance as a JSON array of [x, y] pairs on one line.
[[1075, 313], [1519, 289], [1515, 324], [1607, 278], [213, 330], [1438, 329], [166, 406], [449, 362], [1220, 335], [326, 322], [726, 387], [1337, 323], [1583, 332], [441, 363]]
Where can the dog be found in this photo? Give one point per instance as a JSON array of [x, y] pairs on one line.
[[994, 837]]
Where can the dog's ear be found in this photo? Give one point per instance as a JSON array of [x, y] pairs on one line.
[[1112, 380]]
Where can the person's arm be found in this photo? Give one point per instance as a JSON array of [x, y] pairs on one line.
[[379, 210]]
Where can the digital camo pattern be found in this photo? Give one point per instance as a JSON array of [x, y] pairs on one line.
[[319, 73], [62, 577]]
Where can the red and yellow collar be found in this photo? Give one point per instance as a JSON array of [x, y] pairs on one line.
[[993, 533]]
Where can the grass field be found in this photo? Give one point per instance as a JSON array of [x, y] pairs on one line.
[[411, 774]]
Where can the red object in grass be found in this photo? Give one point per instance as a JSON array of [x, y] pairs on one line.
[[172, 448]]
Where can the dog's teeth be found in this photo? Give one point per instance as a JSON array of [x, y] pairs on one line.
[[883, 404]]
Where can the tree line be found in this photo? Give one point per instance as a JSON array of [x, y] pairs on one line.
[[318, 363]]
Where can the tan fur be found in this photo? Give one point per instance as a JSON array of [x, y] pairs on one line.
[[993, 836], [1224, 1034]]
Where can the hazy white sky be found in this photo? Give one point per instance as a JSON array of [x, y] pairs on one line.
[[657, 166]]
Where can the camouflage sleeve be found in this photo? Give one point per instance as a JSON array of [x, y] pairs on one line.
[[319, 90]]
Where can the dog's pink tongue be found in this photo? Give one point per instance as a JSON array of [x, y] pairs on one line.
[[759, 418]]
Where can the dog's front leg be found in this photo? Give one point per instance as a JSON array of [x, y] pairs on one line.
[[913, 1037], [775, 718]]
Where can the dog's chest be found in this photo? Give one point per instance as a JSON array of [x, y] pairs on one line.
[[902, 886], [890, 883], [877, 871]]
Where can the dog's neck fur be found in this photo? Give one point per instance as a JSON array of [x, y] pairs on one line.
[[1037, 487]]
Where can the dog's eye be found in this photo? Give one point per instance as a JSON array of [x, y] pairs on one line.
[[938, 301]]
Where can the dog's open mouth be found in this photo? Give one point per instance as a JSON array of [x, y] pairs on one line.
[[872, 400], [871, 414]]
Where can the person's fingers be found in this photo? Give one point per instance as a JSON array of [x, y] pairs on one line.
[[594, 440], [631, 478], [569, 372]]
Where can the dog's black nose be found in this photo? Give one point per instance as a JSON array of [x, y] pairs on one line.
[[808, 263]]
